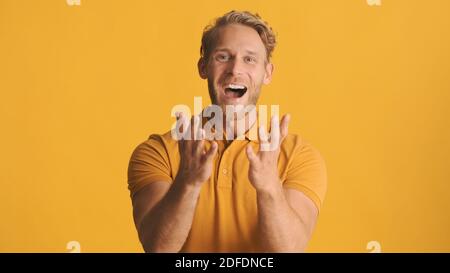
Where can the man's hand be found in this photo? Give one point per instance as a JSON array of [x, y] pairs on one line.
[[263, 172], [163, 212], [195, 161], [286, 217]]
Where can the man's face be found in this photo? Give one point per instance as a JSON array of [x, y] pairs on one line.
[[237, 66]]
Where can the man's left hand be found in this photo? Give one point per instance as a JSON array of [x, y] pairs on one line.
[[263, 171]]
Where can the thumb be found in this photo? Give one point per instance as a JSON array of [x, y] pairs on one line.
[[212, 151], [250, 153]]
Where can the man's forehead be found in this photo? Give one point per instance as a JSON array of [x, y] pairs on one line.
[[237, 35]]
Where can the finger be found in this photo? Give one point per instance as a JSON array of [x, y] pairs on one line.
[[250, 153], [284, 126], [187, 143], [211, 152], [181, 128], [196, 128], [270, 144], [192, 128], [181, 132], [264, 144], [192, 134], [185, 128], [199, 144], [275, 129], [274, 140], [263, 137], [176, 131]]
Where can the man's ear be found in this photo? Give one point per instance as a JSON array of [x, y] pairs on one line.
[[202, 68], [268, 73]]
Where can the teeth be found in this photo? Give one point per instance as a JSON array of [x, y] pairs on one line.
[[236, 86]]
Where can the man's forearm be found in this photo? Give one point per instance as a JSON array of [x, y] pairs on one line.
[[280, 227], [166, 227]]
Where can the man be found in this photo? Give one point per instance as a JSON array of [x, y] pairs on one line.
[[203, 195]]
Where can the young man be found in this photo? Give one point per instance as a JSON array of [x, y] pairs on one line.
[[228, 195]]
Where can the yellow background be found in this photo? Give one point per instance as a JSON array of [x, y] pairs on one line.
[[81, 86]]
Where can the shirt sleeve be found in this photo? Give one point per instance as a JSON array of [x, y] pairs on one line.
[[148, 163], [307, 173]]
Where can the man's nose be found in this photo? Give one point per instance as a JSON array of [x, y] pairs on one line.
[[235, 67]]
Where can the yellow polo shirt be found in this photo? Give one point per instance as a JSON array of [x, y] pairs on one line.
[[225, 219]]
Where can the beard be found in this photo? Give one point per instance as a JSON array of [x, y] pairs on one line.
[[229, 119]]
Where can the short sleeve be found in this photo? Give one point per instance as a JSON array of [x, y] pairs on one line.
[[307, 173], [148, 163]]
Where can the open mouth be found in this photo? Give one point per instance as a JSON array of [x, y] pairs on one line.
[[235, 90]]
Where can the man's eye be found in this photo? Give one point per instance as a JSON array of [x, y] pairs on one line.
[[222, 58], [250, 60]]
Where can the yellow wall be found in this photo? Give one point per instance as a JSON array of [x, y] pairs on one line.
[[81, 86]]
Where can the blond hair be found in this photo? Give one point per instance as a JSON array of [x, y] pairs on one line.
[[238, 17]]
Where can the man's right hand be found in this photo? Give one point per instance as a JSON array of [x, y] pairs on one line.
[[195, 161]]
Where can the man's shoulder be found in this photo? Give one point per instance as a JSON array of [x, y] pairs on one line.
[[296, 145], [164, 140], [158, 142]]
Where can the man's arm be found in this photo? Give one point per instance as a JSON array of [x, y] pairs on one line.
[[286, 217], [163, 213]]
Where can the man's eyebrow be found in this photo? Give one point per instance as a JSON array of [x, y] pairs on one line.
[[221, 49], [224, 49], [251, 52]]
